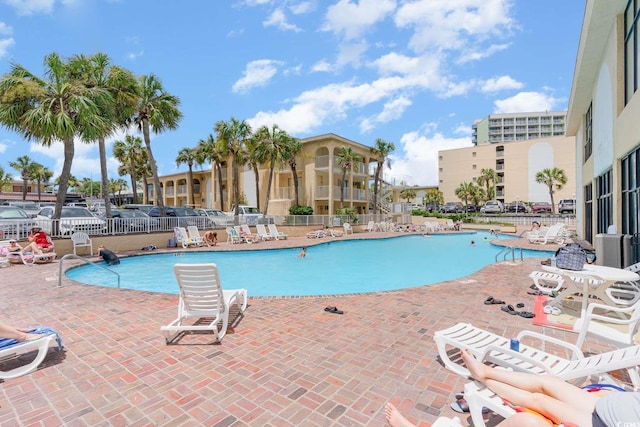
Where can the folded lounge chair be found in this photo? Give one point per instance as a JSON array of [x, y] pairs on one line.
[[553, 234], [274, 232], [194, 235], [182, 237], [10, 349], [263, 233], [202, 297]]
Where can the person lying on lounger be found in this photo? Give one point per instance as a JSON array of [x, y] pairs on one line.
[[549, 397], [39, 242], [18, 334]]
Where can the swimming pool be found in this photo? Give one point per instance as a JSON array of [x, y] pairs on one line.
[[335, 267]]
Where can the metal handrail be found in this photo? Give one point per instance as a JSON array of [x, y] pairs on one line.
[[67, 256], [506, 251]]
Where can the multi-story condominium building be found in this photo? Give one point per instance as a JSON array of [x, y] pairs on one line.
[[604, 108], [498, 128], [319, 176], [515, 164]]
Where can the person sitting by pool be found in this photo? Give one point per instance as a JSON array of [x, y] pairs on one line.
[[14, 247], [559, 401], [39, 242], [108, 256], [303, 253], [210, 238], [535, 226]]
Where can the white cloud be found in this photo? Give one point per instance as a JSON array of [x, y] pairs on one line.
[[352, 19], [28, 7], [134, 55], [350, 53], [256, 73], [454, 25], [5, 44], [393, 110], [279, 20], [500, 83], [3, 147], [302, 7], [5, 29], [526, 102], [292, 71], [479, 53], [463, 129], [322, 66], [419, 162]]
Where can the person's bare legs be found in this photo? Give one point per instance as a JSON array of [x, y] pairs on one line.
[[394, 417], [548, 395], [32, 247], [18, 334]]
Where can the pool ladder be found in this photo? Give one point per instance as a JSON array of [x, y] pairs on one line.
[[510, 249], [87, 261]]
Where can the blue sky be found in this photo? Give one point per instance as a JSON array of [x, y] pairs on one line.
[[416, 73]]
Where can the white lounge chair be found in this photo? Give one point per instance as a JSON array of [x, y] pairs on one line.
[[202, 297], [246, 237], [547, 282], [553, 234], [194, 235], [81, 239], [233, 236], [31, 258], [316, 234], [263, 233], [371, 226], [10, 349], [487, 346], [274, 232], [182, 237], [348, 229]]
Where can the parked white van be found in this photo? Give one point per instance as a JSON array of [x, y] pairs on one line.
[[247, 214]]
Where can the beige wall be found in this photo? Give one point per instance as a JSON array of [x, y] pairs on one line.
[[522, 160]]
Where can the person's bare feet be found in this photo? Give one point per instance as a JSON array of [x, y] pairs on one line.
[[475, 367], [394, 417]]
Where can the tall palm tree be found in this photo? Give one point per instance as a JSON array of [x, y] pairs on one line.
[[552, 178], [347, 160], [255, 155], [273, 143], [232, 136], [209, 150], [381, 152], [156, 111], [188, 156], [293, 147], [5, 179], [24, 165], [117, 186], [129, 152], [465, 192], [40, 174], [408, 193], [434, 197], [488, 178], [57, 107], [96, 71]]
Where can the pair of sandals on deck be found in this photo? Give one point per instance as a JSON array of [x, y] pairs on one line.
[[508, 308]]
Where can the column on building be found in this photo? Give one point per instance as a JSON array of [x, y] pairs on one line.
[[331, 209]]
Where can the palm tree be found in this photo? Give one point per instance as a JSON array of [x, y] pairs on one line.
[[129, 152], [5, 179], [188, 156], [156, 112], [434, 197], [57, 107], [255, 155], [552, 178], [408, 193], [292, 148], [347, 160], [96, 72], [117, 186], [488, 178], [209, 149], [24, 165], [272, 145], [380, 152], [40, 174], [465, 192], [232, 136]]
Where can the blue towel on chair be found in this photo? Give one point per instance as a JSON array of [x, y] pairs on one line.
[[41, 330]]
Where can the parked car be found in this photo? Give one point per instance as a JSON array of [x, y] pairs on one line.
[[72, 219], [432, 207], [472, 207], [31, 208], [140, 207], [567, 206], [493, 207], [541, 207], [100, 207], [15, 223], [248, 214], [186, 216], [453, 207], [517, 207], [216, 216], [131, 220]]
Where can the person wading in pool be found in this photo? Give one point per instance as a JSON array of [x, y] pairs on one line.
[[107, 255]]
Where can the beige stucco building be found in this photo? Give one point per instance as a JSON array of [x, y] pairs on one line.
[[516, 164], [319, 175], [604, 109], [509, 127]]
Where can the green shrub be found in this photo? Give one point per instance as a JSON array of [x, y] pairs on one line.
[[300, 210]]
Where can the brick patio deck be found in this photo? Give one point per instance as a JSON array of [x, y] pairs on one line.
[[287, 362]]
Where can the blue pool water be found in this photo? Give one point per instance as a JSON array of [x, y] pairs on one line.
[[336, 267]]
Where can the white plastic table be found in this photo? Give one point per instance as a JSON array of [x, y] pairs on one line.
[[595, 281]]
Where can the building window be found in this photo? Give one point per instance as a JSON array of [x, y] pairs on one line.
[[473, 154], [474, 167], [588, 213], [588, 134], [604, 195], [441, 169], [630, 183], [631, 47]]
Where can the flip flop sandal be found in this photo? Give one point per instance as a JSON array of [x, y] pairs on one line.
[[526, 314], [535, 293], [509, 309], [497, 301], [520, 305], [488, 301], [461, 406], [551, 310], [332, 309]]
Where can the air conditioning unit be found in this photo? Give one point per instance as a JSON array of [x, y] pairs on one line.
[[614, 250]]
